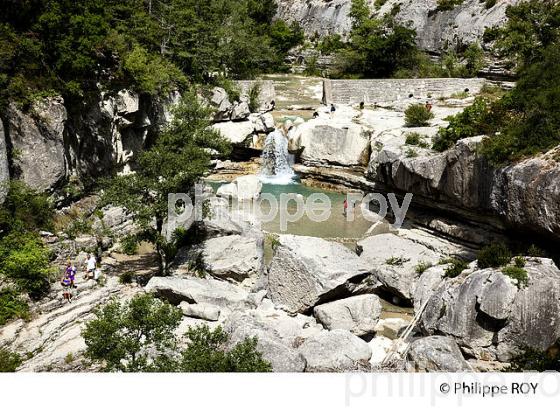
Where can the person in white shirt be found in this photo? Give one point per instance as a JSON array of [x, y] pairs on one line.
[[90, 266]]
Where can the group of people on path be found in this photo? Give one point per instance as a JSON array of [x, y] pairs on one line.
[[68, 280]]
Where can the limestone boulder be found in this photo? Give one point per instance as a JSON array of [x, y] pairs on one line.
[[220, 221], [391, 328], [435, 354], [278, 335], [236, 132], [240, 111], [493, 317], [335, 351], [244, 188], [394, 261], [380, 346], [219, 100], [200, 311], [324, 142], [357, 314], [307, 271], [233, 257], [198, 290]]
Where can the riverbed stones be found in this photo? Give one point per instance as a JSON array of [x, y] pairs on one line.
[[357, 314], [335, 351], [435, 354], [306, 271]]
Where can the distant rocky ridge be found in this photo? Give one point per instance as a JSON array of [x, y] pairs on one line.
[[436, 30]]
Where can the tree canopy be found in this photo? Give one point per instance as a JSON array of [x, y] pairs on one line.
[[74, 47]]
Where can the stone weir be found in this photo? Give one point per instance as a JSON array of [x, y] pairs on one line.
[[387, 90]]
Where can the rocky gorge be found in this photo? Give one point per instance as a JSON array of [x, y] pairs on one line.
[[455, 285]]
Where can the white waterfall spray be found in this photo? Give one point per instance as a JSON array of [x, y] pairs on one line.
[[276, 160]]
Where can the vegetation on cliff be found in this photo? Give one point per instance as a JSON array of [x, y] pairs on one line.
[[177, 159], [526, 120]]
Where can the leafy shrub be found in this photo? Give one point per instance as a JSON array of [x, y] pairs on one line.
[[79, 225], [330, 44], [25, 260], [151, 73], [489, 3], [410, 153], [517, 273], [396, 261], [481, 118], [519, 261], [413, 138], [377, 48], [533, 124], [446, 5], [25, 209], [12, 306], [254, 94], [457, 266], [139, 336], [417, 115], [493, 256], [129, 244], [422, 267], [206, 352], [535, 252], [126, 277], [121, 335], [9, 361]]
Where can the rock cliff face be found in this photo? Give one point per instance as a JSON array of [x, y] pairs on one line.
[[4, 166], [54, 142], [435, 29], [491, 317], [524, 196], [37, 139]]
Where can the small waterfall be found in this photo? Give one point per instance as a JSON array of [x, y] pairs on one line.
[[276, 160]]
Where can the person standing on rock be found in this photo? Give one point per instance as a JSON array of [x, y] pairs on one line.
[[333, 110], [70, 271], [67, 283], [428, 106], [345, 207], [91, 263]]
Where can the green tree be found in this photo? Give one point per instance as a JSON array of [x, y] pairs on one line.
[[206, 352], [377, 47], [140, 336], [24, 259], [177, 159], [124, 336], [531, 27], [9, 361]]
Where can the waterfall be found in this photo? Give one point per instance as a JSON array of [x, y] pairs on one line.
[[276, 160]]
